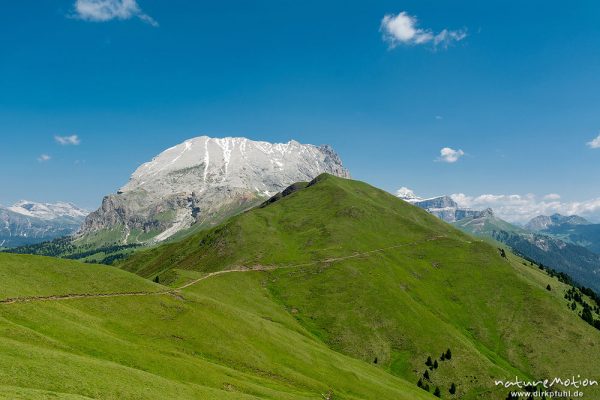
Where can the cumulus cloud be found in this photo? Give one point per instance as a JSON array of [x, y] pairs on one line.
[[403, 28], [594, 144], [552, 196], [107, 10], [521, 208], [67, 140], [450, 155], [44, 158]]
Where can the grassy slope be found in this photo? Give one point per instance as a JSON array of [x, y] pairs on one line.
[[23, 276], [578, 262], [402, 304], [223, 339]]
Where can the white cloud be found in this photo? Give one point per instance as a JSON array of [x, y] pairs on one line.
[[594, 144], [106, 10], [450, 155], [403, 28], [439, 117], [552, 196], [521, 208], [67, 140], [44, 158]]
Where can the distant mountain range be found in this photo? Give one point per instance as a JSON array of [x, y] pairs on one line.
[[573, 229], [568, 244], [193, 185], [28, 222], [543, 222], [443, 206], [578, 262]]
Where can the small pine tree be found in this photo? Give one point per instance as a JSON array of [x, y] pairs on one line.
[[448, 354], [435, 364], [426, 375], [420, 383], [375, 360], [586, 315], [548, 288], [443, 357], [429, 363], [437, 392], [452, 388], [156, 279], [426, 387]]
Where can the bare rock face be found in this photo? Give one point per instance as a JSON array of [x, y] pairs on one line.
[[202, 181]]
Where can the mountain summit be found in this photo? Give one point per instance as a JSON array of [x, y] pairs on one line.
[[542, 222], [202, 181]]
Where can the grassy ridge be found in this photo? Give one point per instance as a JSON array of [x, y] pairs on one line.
[[400, 305]]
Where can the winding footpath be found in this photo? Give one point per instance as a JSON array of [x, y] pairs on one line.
[[175, 291]]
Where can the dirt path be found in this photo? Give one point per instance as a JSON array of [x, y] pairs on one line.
[[175, 291]]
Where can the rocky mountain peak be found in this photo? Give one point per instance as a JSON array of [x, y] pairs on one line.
[[204, 179], [407, 194], [443, 207], [543, 222]]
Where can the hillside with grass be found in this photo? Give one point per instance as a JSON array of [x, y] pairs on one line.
[[577, 261], [386, 283], [332, 289], [224, 338]]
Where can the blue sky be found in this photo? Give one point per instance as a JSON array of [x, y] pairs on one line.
[[512, 89]]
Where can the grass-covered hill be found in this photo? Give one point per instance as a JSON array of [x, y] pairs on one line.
[[223, 338], [335, 290], [386, 283]]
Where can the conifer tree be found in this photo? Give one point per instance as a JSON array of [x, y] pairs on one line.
[[452, 388]]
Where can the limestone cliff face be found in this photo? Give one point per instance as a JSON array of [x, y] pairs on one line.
[[202, 181]]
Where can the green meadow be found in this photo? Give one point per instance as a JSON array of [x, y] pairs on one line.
[[336, 291]]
